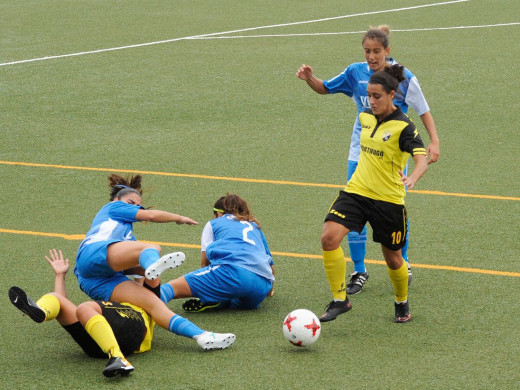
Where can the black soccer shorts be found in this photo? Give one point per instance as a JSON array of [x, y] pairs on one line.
[[126, 323], [388, 220]]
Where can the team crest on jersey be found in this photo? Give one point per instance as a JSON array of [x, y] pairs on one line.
[[386, 136]]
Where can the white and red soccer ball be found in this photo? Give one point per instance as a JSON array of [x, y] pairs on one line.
[[301, 327]]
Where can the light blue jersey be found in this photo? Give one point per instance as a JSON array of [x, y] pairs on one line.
[[353, 82], [227, 240], [113, 223]]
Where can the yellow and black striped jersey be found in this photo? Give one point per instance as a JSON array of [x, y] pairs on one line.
[[385, 149]]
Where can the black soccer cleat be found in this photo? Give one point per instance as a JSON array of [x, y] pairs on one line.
[[357, 280], [334, 309], [26, 305], [195, 305], [117, 366], [402, 312]]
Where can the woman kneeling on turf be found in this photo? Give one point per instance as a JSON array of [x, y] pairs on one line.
[[238, 269]]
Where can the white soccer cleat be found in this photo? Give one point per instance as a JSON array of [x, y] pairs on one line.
[[210, 340], [169, 261]]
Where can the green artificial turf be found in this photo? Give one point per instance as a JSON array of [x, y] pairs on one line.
[[202, 117]]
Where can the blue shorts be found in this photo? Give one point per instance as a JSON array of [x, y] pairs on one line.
[[100, 289], [91, 261], [238, 287]]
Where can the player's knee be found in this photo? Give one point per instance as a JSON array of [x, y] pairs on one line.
[[393, 259], [156, 247], [329, 241], [354, 236], [86, 310], [59, 296]]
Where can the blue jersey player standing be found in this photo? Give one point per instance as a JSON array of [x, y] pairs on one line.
[[353, 82], [237, 266]]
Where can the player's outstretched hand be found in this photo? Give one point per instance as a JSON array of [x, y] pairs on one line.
[[185, 220], [57, 262]]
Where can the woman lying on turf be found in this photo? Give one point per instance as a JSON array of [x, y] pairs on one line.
[[110, 248], [101, 328], [237, 266]]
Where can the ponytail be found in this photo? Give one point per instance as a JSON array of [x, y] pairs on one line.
[[235, 205], [379, 34], [119, 186], [389, 78]]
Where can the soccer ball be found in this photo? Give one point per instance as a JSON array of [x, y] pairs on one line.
[[301, 327]]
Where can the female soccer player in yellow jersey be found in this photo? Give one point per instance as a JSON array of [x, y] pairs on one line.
[[376, 193], [353, 82], [103, 329]]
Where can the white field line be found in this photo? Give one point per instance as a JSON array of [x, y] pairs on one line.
[[228, 32], [361, 32]]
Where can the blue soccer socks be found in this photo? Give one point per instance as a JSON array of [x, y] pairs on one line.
[[184, 327], [357, 243], [148, 256], [167, 293]]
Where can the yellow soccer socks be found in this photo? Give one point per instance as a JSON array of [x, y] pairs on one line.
[[336, 271], [50, 305], [99, 329], [399, 278]]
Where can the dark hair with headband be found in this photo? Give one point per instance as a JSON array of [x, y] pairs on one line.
[[119, 186], [235, 205], [389, 78]]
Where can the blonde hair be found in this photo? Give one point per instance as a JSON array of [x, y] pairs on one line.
[[384, 28]]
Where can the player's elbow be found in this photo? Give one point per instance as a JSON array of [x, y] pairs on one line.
[[148, 215]]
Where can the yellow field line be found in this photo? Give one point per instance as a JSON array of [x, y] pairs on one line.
[[241, 179], [79, 237]]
